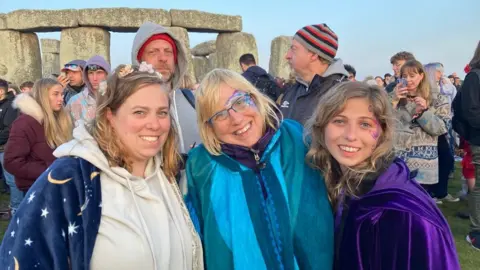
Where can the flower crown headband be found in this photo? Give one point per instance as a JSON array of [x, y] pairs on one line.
[[126, 70]]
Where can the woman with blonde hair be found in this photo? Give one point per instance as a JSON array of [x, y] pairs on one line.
[[255, 202], [384, 219], [422, 115], [110, 200], [43, 125]]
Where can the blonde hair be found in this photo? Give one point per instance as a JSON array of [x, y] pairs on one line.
[[117, 91], [423, 88], [329, 106], [207, 98], [56, 125]]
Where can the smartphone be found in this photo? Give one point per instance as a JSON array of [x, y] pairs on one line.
[[402, 82]]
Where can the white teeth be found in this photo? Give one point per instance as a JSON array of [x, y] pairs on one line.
[[349, 149], [150, 139], [243, 130]]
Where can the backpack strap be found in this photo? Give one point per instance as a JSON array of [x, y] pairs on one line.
[[189, 96]]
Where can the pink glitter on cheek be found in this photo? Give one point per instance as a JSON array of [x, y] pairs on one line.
[[376, 133]]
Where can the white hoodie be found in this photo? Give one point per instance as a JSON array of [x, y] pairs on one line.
[[144, 223]]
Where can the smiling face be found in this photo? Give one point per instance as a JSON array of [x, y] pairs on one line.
[[142, 122], [55, 97], [352, 135], [243, 127]]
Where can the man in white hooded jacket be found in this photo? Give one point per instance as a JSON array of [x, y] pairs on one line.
[[155, 45]]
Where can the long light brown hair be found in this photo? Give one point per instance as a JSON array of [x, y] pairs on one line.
[[56, 125], [423, 89], [331, 105], [117, 91]]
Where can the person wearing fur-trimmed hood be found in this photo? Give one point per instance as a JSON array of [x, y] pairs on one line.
[[43, 125]]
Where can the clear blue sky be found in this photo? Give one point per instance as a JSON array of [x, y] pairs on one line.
[[369, 31]]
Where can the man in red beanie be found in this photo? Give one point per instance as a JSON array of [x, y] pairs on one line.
[[155, 45]]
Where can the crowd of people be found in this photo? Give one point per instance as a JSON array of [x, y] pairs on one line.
[[138, 167]]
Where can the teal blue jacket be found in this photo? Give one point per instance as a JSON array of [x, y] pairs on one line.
[[277, 218]]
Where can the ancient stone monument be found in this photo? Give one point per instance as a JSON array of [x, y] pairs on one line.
[[278, 64], [50, 56], [86, 32]]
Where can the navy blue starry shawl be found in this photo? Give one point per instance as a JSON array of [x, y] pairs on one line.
[[57, 223]]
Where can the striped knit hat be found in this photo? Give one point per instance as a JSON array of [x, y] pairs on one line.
[[319, 39]]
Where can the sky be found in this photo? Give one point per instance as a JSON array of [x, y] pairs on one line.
[[369, 31]]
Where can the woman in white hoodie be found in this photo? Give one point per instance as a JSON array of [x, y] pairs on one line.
[[110, 200]]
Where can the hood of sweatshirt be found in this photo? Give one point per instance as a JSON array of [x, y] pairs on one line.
[[149, 29], [95, 60]]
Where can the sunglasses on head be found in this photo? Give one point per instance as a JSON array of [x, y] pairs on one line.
[[94, 68], [72, 66]]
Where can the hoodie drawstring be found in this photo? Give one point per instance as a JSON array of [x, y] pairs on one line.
[[144, 224]]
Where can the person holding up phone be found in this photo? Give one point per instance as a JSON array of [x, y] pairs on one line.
[[425, 112], [71, 79]]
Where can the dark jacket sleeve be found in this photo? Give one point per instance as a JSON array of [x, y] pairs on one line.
[[402, 240], [18, 151], [471, 99], [10, 116]]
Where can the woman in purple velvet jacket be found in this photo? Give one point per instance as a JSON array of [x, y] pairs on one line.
[[384, 219]]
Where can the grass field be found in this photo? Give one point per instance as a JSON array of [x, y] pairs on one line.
[[469, 258]]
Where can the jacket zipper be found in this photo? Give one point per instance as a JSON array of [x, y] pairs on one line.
[[265, 201]]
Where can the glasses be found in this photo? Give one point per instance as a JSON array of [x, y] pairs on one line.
[[238, 105]]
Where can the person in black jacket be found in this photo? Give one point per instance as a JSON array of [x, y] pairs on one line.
[[311, 56], [470, 113], [7, 115]]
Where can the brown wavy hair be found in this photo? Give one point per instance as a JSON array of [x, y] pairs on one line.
[[423, 89], [329, 106], [117, 92]]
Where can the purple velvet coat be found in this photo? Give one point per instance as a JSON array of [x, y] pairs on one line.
[[394, 226]]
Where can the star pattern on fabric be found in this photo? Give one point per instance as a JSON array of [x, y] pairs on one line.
[[28, 242], [12, 234], [18, 221], [44, 213], [31, 197], [72, 229]]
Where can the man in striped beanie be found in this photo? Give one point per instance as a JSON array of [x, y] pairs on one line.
[[312, 57]]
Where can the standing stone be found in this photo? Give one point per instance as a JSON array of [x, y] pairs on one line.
[[182, 35], [230, 46], [50, 57], [204, 48], [3, 21], [212, 61], [278, 64], [20, 56], [83, 43], [201, 67]]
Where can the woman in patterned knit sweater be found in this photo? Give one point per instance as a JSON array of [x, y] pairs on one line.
[[422, 116]]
